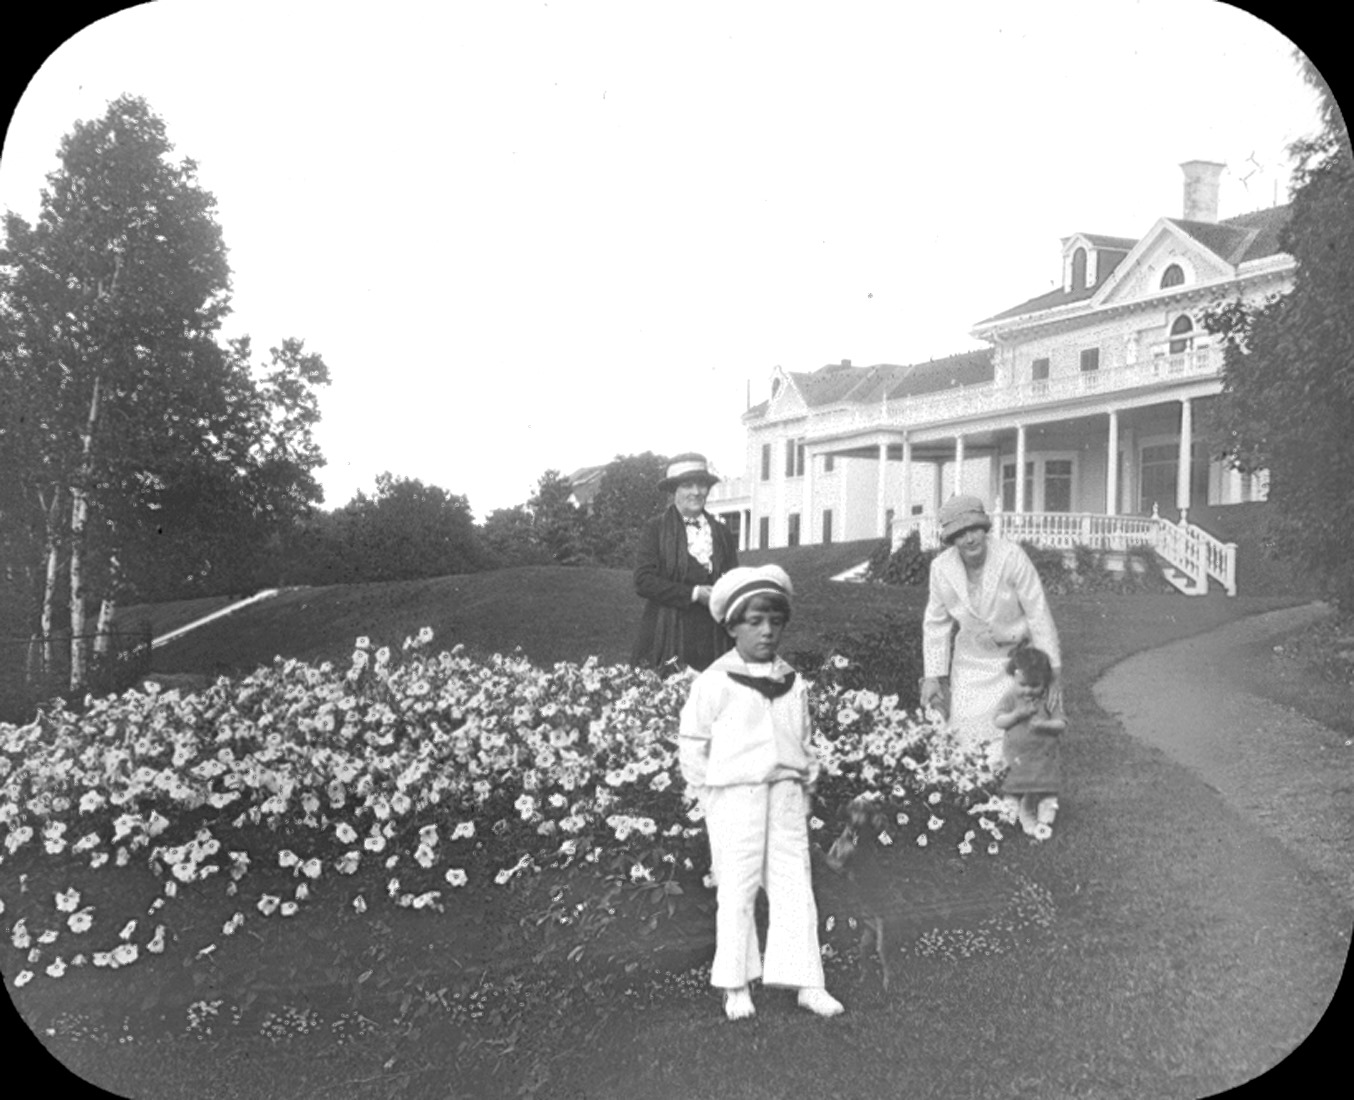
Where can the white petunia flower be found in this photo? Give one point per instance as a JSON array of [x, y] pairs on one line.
[[268, 904], [22, 978], [68, 901], [457, 877], [359, 904]]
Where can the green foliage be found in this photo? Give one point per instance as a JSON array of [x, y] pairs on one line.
[[557, 523], [627, 497], [1051, 565], [115, 396], [1288, 396], [908, 564], [405, 531], [509, 539]]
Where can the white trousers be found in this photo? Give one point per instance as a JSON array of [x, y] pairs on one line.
[[759, 839]]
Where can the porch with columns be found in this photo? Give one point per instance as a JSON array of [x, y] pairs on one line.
[[1111, 526]]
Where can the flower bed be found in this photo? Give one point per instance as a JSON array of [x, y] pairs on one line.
[[405, 782]]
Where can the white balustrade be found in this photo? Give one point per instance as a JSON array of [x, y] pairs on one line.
[[1189, 549], [989, 397]]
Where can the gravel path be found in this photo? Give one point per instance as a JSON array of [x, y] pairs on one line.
[[1291, 775]]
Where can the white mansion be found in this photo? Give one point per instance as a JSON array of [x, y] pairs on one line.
[[1090, 391]]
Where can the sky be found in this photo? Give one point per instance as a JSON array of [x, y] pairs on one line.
[[529, 236]]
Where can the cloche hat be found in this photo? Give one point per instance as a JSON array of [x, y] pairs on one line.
[[739, 585], [687, 467], [960, 513]]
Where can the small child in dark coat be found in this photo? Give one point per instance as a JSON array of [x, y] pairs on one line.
[[1031, 743]]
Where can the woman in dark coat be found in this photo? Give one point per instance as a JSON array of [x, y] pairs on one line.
[[681, 554]]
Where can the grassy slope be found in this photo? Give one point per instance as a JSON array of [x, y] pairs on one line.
[[553, 613], [164, 617]]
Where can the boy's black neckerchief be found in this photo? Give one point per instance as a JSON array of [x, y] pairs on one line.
[[772, 689]]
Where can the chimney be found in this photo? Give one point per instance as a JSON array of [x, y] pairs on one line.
[[1201, 190]]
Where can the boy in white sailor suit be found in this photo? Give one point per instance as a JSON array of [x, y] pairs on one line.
[[745, 753]]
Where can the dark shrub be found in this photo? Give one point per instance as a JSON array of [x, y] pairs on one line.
[[909, 564]]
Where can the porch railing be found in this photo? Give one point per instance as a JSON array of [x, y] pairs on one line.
[[993, 397], [1184, 546]]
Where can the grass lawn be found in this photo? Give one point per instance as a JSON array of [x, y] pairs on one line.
[[1118, 985], [1311, 671]]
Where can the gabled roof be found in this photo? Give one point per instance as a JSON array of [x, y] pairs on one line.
[[1246, 237], [1059, 296], [1235, 241], [841, 383], [828, 385]]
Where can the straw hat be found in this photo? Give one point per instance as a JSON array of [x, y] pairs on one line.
[[687, 467]]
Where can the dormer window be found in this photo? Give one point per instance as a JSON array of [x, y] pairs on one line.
[[1174, 275], [1078, 268]]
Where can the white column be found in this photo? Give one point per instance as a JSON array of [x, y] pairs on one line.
[[958, 464], [806, 504], [1183, 471], [1020, 501], [1130, 442], [879, 489], [905, 501], [839, 464], [1112, 467]]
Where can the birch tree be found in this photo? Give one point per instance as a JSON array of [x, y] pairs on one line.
[[114, 296]]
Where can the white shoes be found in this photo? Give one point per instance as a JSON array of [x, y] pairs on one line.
[[1048, 810], [820, 1002], [738, 1004]]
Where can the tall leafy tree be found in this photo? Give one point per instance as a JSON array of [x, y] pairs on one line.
[[509, 538], [1288, 396], [556, 521], [409, 530], [627, 497], [122, 409]]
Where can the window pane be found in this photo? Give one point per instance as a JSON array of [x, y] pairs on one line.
[[793, 539], [1058, 485], [1090, 359]]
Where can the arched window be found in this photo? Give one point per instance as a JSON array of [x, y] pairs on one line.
[[1078, 268], [1172, 276], [1181, 334]]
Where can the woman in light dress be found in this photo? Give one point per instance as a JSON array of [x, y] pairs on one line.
[[989, 589]]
